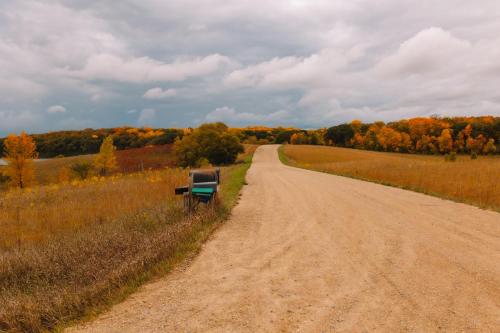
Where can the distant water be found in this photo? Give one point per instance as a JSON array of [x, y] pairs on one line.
[[3, 162]]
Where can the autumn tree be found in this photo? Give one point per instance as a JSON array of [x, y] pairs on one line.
[[423, 144], [356, 125], [460, 141], [489, 147], [481, 142], [472, 145], [389, 139], [406, 144], [445, 141], [19, 152], [340, 135], [358, 141], [105, 161], [298, 138], [370, 138], [213, 142]]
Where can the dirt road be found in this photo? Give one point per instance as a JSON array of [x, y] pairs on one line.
[[311, 252]]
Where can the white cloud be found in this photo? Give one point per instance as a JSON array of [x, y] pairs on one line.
[[146, 117], [432, 71], [430, 50], [159, 93], [254, 75], [145, 69], [56, 109], [228, 114], [318, 69]]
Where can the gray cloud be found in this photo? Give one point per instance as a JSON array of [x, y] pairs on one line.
[[302, 63]]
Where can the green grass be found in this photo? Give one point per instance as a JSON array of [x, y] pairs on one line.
[[233, 184], [283, 158]]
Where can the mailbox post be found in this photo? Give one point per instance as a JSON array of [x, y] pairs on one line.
[[202, 188]]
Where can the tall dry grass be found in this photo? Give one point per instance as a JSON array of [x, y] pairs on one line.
[[31, 215], [77, 247], [475, 182]]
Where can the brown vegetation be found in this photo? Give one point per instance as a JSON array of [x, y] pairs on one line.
[[475, 182], [71, 248], [140, 159]]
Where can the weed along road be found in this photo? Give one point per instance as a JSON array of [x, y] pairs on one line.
[[310, 252]]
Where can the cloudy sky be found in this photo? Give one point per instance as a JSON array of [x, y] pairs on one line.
[[71, 64]]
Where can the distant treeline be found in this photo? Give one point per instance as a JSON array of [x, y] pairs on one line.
[[88, 141], [434, 135], [264, 135], [479, 135]]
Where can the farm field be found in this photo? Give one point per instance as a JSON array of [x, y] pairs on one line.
[[70, 249], [475, 182]]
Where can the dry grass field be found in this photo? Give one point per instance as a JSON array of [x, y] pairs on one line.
[[37, 213], [70, 249], [51, 171], [474, 182]]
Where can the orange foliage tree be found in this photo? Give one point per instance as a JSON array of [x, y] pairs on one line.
[[389, 139], [19, 153], [445, 141], [434, 135]]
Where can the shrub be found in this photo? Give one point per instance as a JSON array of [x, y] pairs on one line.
[[451, 157], [81, 169], [212, 142], [489, 147], [473, 155]]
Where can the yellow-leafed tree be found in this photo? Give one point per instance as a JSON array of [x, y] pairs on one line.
[[105, 161], [445, 141], [19, 153]]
